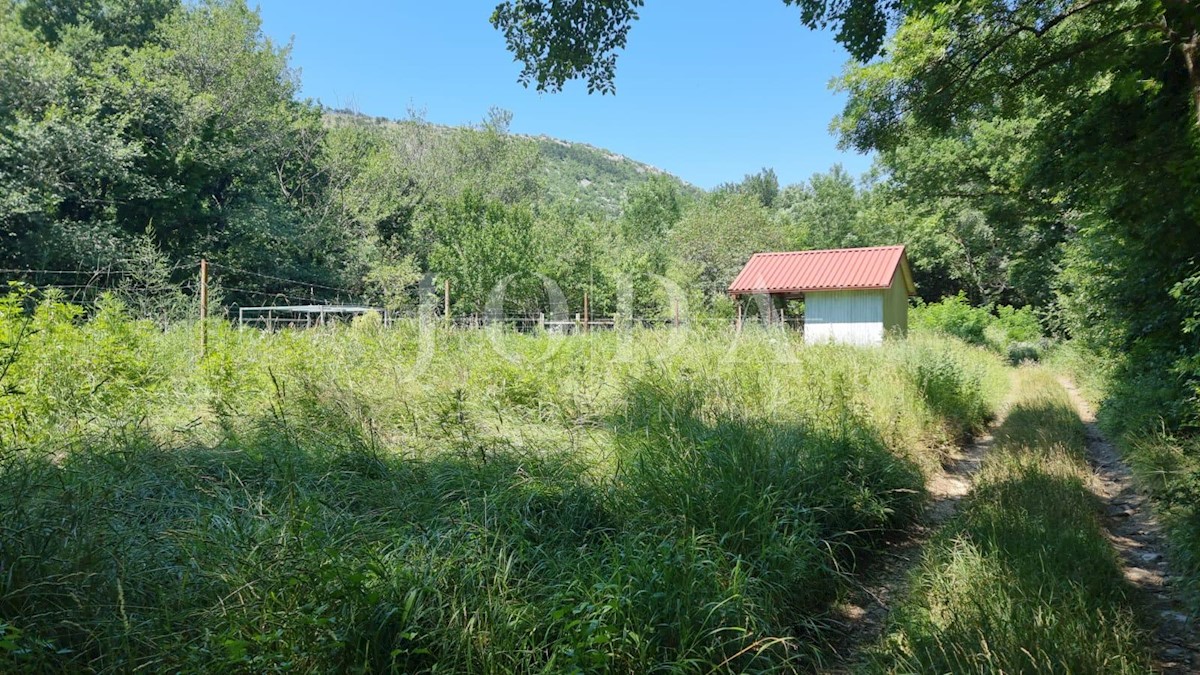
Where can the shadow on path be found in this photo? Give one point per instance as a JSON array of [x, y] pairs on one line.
[[1138, 538], [864, 613]]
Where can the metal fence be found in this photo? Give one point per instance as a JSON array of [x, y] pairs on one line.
[[150, 294]]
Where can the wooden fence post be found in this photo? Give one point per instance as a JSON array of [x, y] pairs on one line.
[[203, 308]]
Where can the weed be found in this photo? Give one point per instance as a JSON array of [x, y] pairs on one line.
[[353, 499], [1023, 579]]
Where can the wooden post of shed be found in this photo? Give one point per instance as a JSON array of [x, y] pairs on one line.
[[740, 310], [203, 308]]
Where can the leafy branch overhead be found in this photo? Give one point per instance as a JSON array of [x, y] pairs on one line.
[[563, 40]]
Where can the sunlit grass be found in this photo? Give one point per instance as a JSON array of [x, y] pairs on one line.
[[1023, 579], [368, 499]]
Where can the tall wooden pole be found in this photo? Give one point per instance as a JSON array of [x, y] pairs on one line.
[[203, 308], [446, 300], [586, 316]]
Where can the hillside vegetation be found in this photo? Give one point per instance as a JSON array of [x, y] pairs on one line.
[[578, 175]]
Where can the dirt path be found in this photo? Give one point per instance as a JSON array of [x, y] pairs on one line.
[[864, 613], [1140, 544]]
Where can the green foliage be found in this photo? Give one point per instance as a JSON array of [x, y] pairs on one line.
[[594, 179], [580, 40], [1011, 331], [63, 380], [1008, 139], [1138, 409], [951, 388], [1014, 325], [562, 43], [1168, 466], [763, 186], [480, 245], [955, 316], [651, 209], [118, 22], [186, 129], [716, 238], [1023, 579], [147, 290]]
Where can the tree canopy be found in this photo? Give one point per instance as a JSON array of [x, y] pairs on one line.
[[579, 39]]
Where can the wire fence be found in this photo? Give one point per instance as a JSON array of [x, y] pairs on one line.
[[165, 294]]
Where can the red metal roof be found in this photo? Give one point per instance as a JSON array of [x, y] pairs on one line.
[[827, 270]]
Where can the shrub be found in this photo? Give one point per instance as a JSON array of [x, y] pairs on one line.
[[952, 389], [1001, 327], [1020, 352], [955, 316]]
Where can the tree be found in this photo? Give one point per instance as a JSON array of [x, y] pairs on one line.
[[824, 212], [1070, 129], [128, 23], [561, 41], [651, 209], [120, 118], [763, 185], [480, 244], [716, 237]]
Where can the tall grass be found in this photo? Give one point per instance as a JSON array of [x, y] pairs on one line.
[[1023, 579], [368, 499]]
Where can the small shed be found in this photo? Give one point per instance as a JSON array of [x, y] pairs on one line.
[[851, 295]]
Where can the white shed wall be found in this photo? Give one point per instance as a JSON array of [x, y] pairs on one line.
[[854, 317]]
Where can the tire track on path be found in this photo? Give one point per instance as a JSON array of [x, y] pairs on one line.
[[1140, 543], [864, 613]]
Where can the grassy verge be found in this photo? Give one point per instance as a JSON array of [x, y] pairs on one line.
[[363, 499], [1022, 579]]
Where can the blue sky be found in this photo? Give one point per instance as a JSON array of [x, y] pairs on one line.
[[709, 90]]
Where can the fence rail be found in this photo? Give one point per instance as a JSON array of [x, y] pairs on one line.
[[280, 310]]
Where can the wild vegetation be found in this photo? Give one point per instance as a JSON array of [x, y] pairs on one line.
[[1023, 579], [366, 498], [154, 134], [360, 498], [1050, 147], [1165, 459]]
